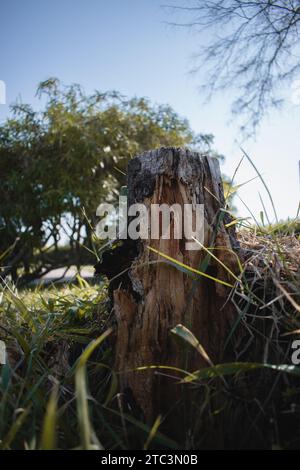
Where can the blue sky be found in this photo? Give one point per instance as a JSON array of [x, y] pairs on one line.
[[127, 45]]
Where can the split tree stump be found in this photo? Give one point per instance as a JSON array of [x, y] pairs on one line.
[[151, 298]]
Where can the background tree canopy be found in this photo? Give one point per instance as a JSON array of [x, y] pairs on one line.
[[58, 164], [252, 46]]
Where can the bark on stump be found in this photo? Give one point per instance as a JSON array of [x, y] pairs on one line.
[[150, 299]]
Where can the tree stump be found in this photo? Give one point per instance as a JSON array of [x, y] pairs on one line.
[[150, 298]]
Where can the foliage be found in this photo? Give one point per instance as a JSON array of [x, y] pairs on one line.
[[58, 164], [59, 389], [58, 357]]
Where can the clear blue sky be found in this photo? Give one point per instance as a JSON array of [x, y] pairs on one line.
[[126, 45]]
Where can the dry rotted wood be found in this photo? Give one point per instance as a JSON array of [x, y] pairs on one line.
[[151, 298]]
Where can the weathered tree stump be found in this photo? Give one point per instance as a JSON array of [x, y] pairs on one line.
[[151, 298]]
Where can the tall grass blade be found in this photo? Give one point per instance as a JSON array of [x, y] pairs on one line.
[[14, 429], [187, 269], [188, 336], [217, 259], [153, 432], [85, 426], [238, 367], [263, 182], [49, 437]]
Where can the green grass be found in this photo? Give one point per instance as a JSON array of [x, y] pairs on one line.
[[45, 332], [58, 389]]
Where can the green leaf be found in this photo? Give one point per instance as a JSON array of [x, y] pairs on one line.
[[188, 336]]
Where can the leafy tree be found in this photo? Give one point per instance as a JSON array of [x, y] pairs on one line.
[[72, 155]]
